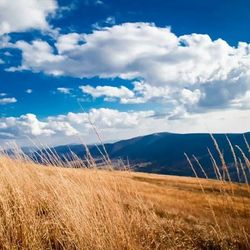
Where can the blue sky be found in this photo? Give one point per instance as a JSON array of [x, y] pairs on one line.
[[131, 67]]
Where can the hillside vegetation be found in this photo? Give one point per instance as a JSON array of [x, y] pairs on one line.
[[48, 207]]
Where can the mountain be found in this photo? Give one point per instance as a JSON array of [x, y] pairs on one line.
[[163, 153]]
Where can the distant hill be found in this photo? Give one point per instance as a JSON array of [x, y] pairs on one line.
[[163, 153]]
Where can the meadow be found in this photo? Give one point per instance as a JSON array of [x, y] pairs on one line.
[[59, 206]]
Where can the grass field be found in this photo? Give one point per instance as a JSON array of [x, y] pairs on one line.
[[48, 207]]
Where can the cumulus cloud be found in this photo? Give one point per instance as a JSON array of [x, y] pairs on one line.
[[104, 118], [21, 15], [70, 124], [106, 53], [141, 50], [29, 125], [68, 42], [108, 92], [189, 72], [38, 53], [7, 100], [113, 125], [143, 92]]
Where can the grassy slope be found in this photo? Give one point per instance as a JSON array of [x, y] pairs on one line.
[[59, 208]]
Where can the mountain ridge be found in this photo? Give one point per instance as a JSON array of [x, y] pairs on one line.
[[163, 153]]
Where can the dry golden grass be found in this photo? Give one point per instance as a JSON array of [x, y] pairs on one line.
[[46, 207]]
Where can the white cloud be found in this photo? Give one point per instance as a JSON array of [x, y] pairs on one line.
[[68, 42], [39, 54], [21, 15], [104, 118], [71, 124], [108, 92], [29, 91], [113, 125], [7, 100], [29, 125], [143, 92], [106, 53], [190, 97], [185, 71], [64, 90]]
